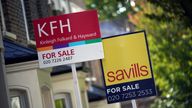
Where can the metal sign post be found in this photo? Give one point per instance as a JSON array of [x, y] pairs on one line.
[[133, 102], [76, 86]]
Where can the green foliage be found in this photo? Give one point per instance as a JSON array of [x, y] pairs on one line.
[[171, 55], [168, 24], [170, 40], [181, 9], [109, 9]]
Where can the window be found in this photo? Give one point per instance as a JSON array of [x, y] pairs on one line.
[[60, 103], [17, 15], [63, 100], [15, 102], [12, 18], [19, 98]]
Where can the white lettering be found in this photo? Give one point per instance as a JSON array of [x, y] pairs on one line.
[[113, 90], [40, 30], [130, 87], [52, 27], [66, 25]]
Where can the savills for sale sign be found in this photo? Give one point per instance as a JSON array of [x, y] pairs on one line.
[[68, 38], [127, 68]]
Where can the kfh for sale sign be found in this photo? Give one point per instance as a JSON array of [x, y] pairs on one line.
[[127, 68], [68, 38]]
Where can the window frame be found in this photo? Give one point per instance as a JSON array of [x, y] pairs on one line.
[[22, 95]]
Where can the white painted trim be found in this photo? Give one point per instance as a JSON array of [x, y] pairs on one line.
[[2, 17], [60, 91], [25, 20], [29, 41], [51, 95], [10, 35], [17, 67], [21, 66], [32, 42]]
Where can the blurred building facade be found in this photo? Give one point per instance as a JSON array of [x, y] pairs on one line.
[[31, 87]]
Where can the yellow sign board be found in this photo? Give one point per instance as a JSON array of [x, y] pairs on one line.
[[126, 59], [127, 68]]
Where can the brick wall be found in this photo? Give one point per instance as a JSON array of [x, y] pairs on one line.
[[14, 19], [35, 9]]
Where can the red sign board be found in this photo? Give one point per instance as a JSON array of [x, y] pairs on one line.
[[66, 28], [68, 38]]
